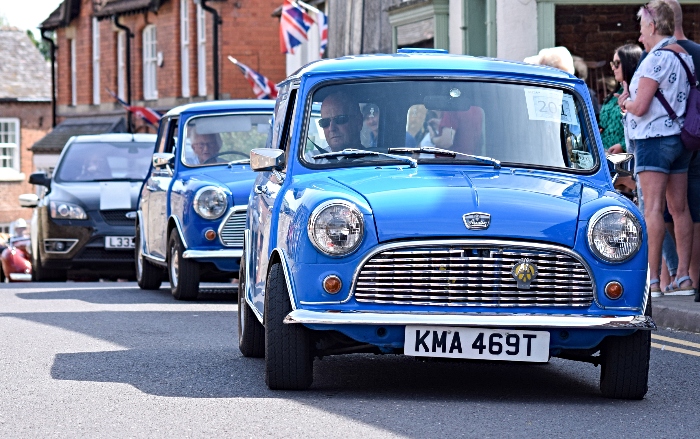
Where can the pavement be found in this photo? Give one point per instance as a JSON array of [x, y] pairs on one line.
[[676, 312]]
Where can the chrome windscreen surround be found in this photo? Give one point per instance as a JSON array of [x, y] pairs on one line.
[[232, 228], [459, 273]]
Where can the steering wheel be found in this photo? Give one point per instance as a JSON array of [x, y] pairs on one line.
[[213, 159]]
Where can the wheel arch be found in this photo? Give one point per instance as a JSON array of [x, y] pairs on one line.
[[279, 256]]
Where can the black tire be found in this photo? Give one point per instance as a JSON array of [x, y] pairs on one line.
[[288, 354], [183, 273], [251, 333], [2, 274], [624, 372], [148, 276], [41, 274]]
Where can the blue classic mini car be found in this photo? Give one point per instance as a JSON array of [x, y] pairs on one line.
[[441, 206], [192, 208]]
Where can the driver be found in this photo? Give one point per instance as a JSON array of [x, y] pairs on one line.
[[206, 147], [341, 121]]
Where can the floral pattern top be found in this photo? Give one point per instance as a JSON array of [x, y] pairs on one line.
[[613, 132]]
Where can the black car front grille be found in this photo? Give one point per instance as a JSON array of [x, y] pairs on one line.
[[117, 217]]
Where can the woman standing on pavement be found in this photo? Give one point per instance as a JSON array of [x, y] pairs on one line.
[[624, 62], [661, 160]]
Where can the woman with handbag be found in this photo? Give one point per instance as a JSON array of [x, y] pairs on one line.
[[661, 161]]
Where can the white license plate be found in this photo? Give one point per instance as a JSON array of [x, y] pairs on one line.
[[119, 242], [477, 343]]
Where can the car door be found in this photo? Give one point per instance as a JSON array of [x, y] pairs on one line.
[[154, 200], [265, 195]]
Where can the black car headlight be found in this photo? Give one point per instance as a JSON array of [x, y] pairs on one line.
[[336, 228], [614, 234], [61, 210], [210, 202]]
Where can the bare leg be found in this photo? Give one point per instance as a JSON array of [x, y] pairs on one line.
[[677, 199], [654, 188], [695, 255]]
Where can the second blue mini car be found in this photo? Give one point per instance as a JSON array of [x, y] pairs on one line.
[[192, 208]]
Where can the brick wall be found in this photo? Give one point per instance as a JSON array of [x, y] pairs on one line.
[[35, 123]]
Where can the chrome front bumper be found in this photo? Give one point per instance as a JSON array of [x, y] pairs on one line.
[[473, 320], [197, 254]]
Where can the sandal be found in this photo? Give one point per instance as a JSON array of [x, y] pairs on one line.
[[654, 288], [677, 290]]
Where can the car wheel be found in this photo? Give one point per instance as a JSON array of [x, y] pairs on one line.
[[251, 333], [288, 355], [148, 276], [41, 274], [183, 273], [624, 370]]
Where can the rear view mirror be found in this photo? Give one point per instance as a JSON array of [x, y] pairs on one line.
[[28, 200], [40, 178], [447, 103], [266, 159]]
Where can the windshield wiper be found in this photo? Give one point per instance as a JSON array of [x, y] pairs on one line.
[[446, 152], [363, 153], [239, 162]]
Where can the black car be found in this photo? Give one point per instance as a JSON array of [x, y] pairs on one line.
[[85, 221]]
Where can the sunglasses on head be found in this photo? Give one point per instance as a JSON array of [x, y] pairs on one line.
[[615, 64], [338, 120]]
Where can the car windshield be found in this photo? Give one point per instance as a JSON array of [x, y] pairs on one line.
[[508, 123], [218, 139], [105, 161]]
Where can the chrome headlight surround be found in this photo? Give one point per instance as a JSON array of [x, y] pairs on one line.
[[62, 210], [210, 202], [614, 235], [336, 228]]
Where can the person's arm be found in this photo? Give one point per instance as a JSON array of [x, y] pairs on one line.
[[645, 93]]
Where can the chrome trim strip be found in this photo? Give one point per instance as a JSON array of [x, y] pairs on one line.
[[191, 254], [154, 258], [248, 285], [307, 317], [178, 226], [53, 252], [231, 211]]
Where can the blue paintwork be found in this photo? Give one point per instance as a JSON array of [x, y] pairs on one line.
[[236, 181], [525, 204]]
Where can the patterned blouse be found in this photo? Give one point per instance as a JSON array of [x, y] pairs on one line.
[[611, 123]]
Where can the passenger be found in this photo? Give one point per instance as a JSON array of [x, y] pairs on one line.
[[206, 147], [460, 131]]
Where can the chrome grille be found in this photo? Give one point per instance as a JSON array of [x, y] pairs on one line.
[[472, 276], [231, 233]]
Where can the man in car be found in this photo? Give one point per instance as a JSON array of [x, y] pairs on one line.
[[206, 147], [341, 121]]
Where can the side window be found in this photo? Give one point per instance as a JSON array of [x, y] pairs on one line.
[[286, 134], [280, 115], [171, 138], [161, 135]]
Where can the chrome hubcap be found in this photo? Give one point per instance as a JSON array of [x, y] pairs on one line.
[[174, 266]]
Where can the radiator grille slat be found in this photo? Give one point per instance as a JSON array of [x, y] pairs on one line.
[[472, 276], [231, 234]]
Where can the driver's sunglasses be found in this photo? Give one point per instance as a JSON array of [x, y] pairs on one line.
[[338, 120]]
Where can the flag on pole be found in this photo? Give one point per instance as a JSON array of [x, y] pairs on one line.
[[262, 87], [322, 22], [294, 25], [148, 115]]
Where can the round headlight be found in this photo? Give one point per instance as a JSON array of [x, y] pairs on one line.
[[336, 228], [614, 234], [210, 202]]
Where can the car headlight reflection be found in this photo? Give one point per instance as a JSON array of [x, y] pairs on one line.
[[60, 210], [210, 202], [614, 235], [336, 228]]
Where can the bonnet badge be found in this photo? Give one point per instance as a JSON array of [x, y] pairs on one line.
[[477, 220], [524, 272]]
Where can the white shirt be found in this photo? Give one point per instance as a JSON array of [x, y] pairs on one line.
[[663, 67]]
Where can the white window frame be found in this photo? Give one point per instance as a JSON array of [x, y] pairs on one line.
[[185, 47], [121, 65], [73, 73], [95, 61], [9, 147], [150, 62], [201, 51]]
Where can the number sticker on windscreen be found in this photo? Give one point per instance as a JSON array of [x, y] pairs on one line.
[[550, 105]]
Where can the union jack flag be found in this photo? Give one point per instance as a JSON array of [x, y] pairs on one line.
[[294, 25], [322, 22], [148, 115], [262, 87]]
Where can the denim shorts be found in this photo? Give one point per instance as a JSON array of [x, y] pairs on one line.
[[661, 154]]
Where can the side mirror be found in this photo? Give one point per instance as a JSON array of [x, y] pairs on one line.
[[28, 200], [267, 159], [164, 160], [621, 164], [40, 178]]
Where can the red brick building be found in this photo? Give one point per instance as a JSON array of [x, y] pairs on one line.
[[168, 61], [25, 117]]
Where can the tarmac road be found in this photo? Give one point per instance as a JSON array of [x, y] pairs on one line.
[[109, 360]]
